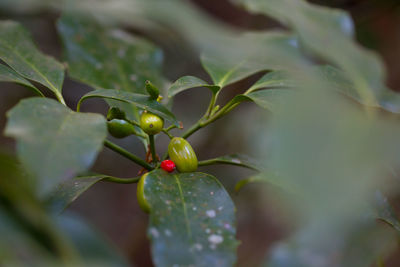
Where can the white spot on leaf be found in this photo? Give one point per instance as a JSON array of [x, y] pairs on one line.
[[211, 213], [168, 232], [215, 239], [198, 246], [154, 232]]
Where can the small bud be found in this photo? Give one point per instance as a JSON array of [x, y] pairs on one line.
[[152, 90], [115, 113]]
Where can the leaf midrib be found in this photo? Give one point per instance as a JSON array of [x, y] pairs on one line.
[[189, 232], [55, 90]]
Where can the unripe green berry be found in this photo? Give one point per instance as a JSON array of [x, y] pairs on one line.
[[120, 128], [182, 154], [151, 123], [115, 113], [144, 205]]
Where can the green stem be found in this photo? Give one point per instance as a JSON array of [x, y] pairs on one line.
[[191, 130], [153, 148], [202, 123], [167, 133], [173, 126], [121, 180], [211, 106], [127, 154], [133, 122]]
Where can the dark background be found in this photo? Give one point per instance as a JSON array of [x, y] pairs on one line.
[[113, 209]]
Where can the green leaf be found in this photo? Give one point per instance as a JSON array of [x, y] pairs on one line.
[[20, 53], [311, 22], [9, 75], [94, 248], [273, 79], [336, 79], [192, 220], [279, 52], [188, 82], [271, 99], [253, 179], [390, 100], [139, 100], [105, 57], [68, 191], [269, 177], [234, 159], [53, 142]]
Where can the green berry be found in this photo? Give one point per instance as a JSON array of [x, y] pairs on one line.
[[182, 154], [120, 128], [151, 123]]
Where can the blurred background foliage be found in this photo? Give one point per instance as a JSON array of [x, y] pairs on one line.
[[331, 154]]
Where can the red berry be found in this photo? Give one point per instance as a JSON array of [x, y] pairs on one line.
[[168, 165]]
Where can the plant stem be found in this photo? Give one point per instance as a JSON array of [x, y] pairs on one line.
[[191, 130], [211, 106], [133, 122], [173, 126], [121, 180], [153, 148], [167, 133], [202, 123], [127, 154]]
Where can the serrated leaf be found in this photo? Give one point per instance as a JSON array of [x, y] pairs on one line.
[[53, 142], [139, 100], [68, 191], [279, 51], [192, 220], [9, 75], [20, 53], [234, 159], [189, 82]]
